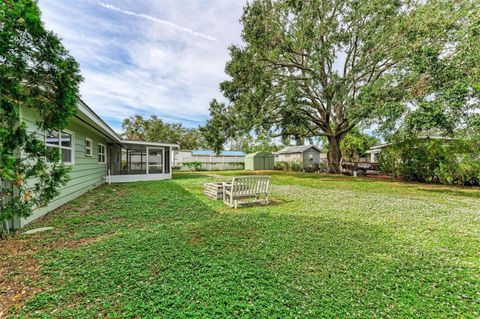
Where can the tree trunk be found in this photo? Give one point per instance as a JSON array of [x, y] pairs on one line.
[[334, 155]]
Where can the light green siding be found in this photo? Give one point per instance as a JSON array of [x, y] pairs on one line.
[[86, 173]]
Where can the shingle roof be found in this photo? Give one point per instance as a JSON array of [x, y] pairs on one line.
[[297, 149]]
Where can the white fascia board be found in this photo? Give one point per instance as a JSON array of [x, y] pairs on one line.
[[91, 115], [129, 142]]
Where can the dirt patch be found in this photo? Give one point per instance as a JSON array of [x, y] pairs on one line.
[[20, 270], [81, 242], [16, 264]]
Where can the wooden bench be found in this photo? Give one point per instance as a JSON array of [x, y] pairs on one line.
[[246, 187]]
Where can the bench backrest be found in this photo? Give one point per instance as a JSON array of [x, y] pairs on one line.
[[250, 185]]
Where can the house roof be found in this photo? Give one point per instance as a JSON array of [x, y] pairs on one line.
[[222, 153], [87, 115], [298, 149], [379, 146], [261, 154]]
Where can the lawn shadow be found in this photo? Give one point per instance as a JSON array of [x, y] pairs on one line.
[[188, 175], [445, 191]]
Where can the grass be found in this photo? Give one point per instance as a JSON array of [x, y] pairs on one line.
[[326, 247]]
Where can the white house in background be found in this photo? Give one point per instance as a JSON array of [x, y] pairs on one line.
[[374, 151], [210, 160]]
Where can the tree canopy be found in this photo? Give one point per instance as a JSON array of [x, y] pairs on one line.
[[36, 72], [355, 144], [153, 129], [323, 67]]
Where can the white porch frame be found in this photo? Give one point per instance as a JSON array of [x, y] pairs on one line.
[[147, 176]]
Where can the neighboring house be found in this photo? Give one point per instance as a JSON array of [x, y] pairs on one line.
[[97, 154], [210, 160], [306, 155], [374, 151]]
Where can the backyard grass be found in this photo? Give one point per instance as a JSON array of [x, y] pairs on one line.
[[326, 247]]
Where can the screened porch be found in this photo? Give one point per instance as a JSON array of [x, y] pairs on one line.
[[136, 161]]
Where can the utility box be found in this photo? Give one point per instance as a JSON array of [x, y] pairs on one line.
[[259, 161]]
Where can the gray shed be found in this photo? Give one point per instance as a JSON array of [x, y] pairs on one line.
[[259, 161], [306, 155]]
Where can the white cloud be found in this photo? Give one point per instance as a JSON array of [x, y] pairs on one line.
[[148, 17], [137, 65]]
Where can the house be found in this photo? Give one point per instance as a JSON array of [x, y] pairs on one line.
[[209, 159], [97, 154], [305, 155], [374, 151]]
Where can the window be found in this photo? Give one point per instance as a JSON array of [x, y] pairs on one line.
[[88, 147], [62, 140], [102, 154]]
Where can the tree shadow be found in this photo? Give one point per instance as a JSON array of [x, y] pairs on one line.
[[460, 192]]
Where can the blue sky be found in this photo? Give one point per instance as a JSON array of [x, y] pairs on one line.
[[149, 57]]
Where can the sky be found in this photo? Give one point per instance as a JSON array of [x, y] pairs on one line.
[[149, 57]]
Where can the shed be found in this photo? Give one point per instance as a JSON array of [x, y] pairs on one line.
[[259, 161], [305, 155]]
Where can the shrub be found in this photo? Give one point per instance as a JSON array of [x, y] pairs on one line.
[[282, 166], [447, 162], [322, 167], [296, 167], [195, 166], [237, 165]]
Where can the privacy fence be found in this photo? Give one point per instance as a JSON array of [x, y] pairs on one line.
[[209, 160]]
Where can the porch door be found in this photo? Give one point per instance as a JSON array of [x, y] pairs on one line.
[[155, 160]]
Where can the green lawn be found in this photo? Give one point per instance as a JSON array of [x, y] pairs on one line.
[[326, 247]]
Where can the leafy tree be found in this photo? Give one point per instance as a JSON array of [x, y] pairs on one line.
[[446, 161], [355, 144], [220, 127], [36, 72], [322, 67], [154, 129], [249, 143], [444, 98]]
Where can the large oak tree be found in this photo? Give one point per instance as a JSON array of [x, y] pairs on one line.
[[324, 67]]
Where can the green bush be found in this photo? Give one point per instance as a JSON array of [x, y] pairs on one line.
[[296, 167], [195, 166], [289, 166], [440, 161], [282, 166]]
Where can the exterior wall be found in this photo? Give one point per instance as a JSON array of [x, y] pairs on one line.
[[292, 157], [303, 158], [86, 172], [307, 161], [261, 161]]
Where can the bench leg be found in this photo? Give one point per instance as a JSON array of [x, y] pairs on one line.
[[236, 204]]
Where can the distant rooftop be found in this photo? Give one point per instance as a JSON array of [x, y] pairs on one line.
[[222, 153], [297, 149]]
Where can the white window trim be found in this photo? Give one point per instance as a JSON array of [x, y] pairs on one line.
[[60, 147], [91, 147], [105, 148]]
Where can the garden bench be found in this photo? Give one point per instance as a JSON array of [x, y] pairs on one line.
[[245, 187]]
